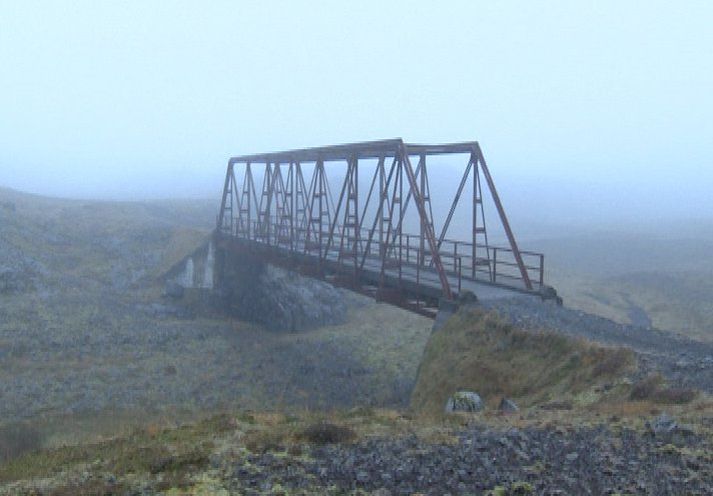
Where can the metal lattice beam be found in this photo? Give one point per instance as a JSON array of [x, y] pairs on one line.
[[364, 238]]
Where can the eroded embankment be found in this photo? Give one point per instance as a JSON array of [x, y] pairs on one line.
[[478, 351], [684, 362]]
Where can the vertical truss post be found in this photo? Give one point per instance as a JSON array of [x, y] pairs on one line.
[[430, 236], [234, 193], [301, 198], [318, 199], [383, 195], [379, 165], [320, 182], [349, 196], [401, 216], [379, 218], [282, 206], [333, 223], [479, 208], [291, 189], [357, 219], [389, 241], [478, 211], [426, 198], [504, 220], [474, 206], [264, 206], [249, 198], [309, 228], [422, 234], [227, 190]]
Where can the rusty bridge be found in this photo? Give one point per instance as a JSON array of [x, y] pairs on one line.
[[361, 216]]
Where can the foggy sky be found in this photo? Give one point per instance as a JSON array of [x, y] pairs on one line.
[[595, 111]]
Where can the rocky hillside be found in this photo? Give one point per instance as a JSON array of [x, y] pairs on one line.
[[49, 244], [85, 333]]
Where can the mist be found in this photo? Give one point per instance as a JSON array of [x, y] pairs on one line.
[[595, 114], [161, 333]]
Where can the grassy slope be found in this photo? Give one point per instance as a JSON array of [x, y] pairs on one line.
[[95, 264], [105, 242], [476, 351], [681, 302], [68, 237], [609, 273]]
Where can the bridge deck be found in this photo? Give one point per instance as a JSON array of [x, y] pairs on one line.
[[418, 284]]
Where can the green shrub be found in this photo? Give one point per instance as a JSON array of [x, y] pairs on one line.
[[327, 433], [645, 388], [18, 439], [652, 388]]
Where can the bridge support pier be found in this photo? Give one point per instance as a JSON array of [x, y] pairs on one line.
[[446, 308], [275, 297]]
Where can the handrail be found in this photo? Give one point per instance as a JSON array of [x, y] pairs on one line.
[[493, 268]]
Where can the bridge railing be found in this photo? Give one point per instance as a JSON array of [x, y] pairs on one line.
[[404, 255]]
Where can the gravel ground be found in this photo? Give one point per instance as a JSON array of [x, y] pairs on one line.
[[386, 454], [523, 461], [685, 362]]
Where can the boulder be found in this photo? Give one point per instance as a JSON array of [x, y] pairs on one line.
[[14, 280], [279, 299], [464, 401], [663, 424], [665, 428], [508, 406], [467, 297], [173, 290]]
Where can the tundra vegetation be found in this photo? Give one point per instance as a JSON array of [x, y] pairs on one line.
[[107, 387]]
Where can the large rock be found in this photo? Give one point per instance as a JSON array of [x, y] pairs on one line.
[[508, 406], [663, 424], [14, 280], [666, 429], [173, 289], [279, 299], [464, 401]]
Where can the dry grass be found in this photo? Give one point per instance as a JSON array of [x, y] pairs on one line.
[[280, 432], [645, 388], [326, 433], [92, 487], [477, 351], [627, 408], [608, 362], [177, 459], [654, 389], [17, 439], [262, 440], [171, 452], [675, 396]]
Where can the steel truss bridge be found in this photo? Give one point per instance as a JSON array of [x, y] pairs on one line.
[[310, 210]]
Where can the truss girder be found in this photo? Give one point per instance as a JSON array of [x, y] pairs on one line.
[[360, 233]]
